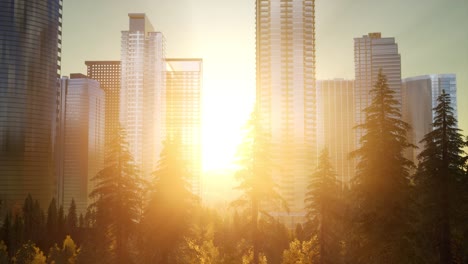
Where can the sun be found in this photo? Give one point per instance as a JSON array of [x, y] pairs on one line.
[[224, 114]]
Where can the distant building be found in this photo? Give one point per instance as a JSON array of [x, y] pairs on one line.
[[80, 139], [420, 97], [107, 73], [30, 55], [142, 109], [335, 124], [183, 112], [372, 53], [286, 96]]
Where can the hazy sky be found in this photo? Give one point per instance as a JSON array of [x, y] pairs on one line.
[[432, 36]]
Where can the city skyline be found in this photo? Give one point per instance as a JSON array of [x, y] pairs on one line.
[[220, 131], [230, 59]]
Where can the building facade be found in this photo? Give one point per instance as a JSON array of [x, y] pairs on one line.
[[184, 80], [420, 95], [286, 96], [371, 54], [335, 125], [30, 47], [107, 73], [81, 138], [142, 102]]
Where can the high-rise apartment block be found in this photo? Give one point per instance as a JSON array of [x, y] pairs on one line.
[[183, 112], [142, 103], [80, 139], [30, 52], [285, 40], [420, 95], [373, 53], [107, 73], [335, 125]]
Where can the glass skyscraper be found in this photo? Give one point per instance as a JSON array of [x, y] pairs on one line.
[[142, 94], [183, 112], [30, 47], [335, 125], [285, 42], [419, 98], [81, 137], [372, 53]]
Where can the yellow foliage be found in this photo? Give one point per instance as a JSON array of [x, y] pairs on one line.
[[206, 253], [305, 252], [248, 258]]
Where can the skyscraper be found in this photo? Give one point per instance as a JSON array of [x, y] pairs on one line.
[[335, 123], [286, 92], [30, 46], [419, 98], [82, 149], [183, 112], [142, 108], [372, 53], [107, 73]]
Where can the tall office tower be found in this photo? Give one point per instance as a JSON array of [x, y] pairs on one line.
[[286, 92], [107, 73], [335, 124], [80, 155], [183, 112], [30, 46], [372, 53], [142, 109], [419, 98]]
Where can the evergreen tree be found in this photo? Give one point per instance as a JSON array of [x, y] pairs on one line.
[[255, 178], [322, 207], [381, 186], [17, 236], [72, 219], [28, 217], [168, 214], [61, 225], [6, 232], [51, 224], [4, 259], [33, 218], [441, 179], [117, 198]]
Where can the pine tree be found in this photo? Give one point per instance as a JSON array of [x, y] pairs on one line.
[[72, 219], [322, 207], [441, 179], [167, 216], [61, 225], [4, 259], [33, 220], [381, 185], [255, 178], [117, 197], [51, 224]]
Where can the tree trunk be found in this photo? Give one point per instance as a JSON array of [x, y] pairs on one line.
[[255, 237], [445, 240], [165, 257]]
